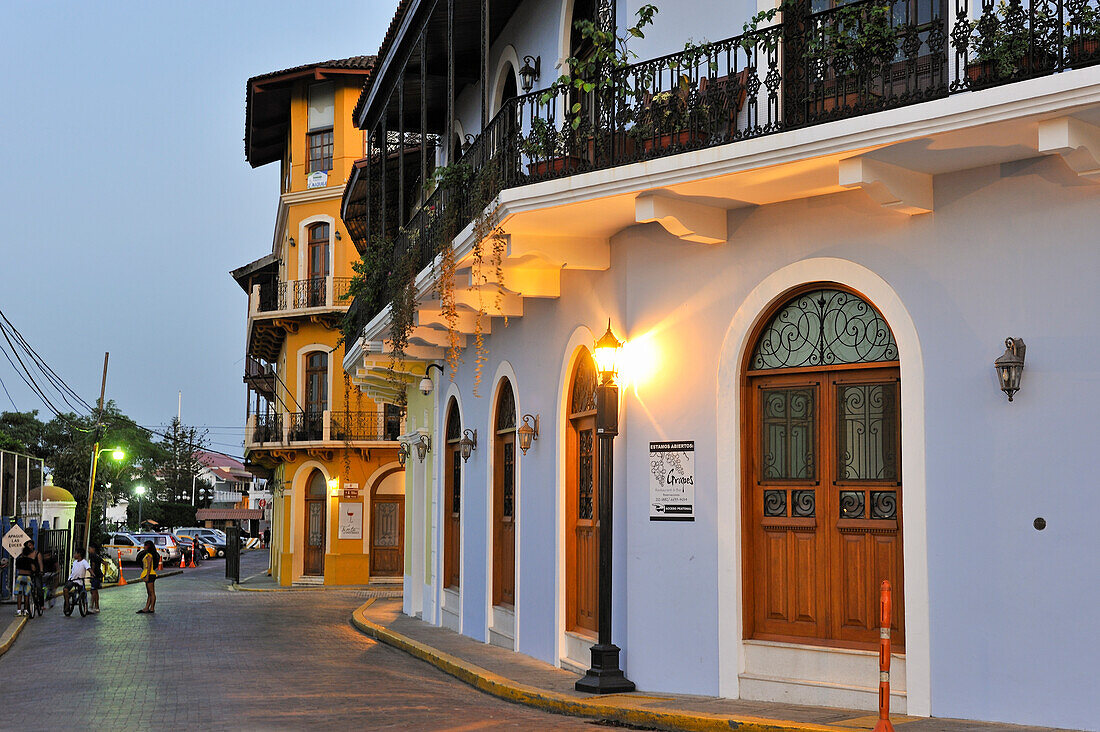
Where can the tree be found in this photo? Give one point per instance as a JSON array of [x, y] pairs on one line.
[[22, 432], [182, 446]]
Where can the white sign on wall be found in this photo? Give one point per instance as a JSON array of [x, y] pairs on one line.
[[14, 540], [351, 520], [317, 179], [672, 481]]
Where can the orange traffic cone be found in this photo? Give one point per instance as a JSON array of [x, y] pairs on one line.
[[121, 578], [183, 561]]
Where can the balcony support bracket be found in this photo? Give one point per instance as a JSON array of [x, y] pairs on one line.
[[682, 218], [1077, 142], [890, 186]]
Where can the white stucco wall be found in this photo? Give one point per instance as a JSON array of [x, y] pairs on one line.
[[1009, 251]]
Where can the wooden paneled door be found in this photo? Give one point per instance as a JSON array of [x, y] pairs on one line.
[[582, 546], [452, 499], [387, 536], [504, 498], [313, 554], [822, 499]]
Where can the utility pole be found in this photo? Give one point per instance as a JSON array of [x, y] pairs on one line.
[[95, 455]]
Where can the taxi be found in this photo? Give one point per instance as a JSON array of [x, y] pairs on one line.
[[121, 544]]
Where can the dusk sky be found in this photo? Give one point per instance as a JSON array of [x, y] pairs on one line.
[[128, 199]]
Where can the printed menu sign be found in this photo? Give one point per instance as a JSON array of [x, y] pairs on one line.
[[672, 481]]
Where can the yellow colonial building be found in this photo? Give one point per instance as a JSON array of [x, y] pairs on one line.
[[330, 452]]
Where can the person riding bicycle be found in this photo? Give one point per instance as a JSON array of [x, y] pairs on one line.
[[27, 565], [79, 575], [49, 575]]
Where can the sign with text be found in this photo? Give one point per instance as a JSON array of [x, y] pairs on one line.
[[351, 490], [317, 179], [672, 481], [14, 540], [351, 520]]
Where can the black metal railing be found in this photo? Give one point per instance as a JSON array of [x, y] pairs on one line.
[[353, 426], [846, 61], [268, 428], [307, 293], [306, 426]]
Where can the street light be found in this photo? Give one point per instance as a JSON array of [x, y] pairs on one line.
[[604, 676], [140, 490], [116, 453]]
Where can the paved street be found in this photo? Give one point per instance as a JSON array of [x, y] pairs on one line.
[[214, 659]]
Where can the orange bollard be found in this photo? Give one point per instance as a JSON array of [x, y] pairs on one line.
[[883, 724], [121, 579], [194, 548]]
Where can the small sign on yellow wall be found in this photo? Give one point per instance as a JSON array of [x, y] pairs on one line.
[[351, 520]]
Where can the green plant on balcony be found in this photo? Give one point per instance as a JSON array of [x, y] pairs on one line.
[[1004, 43], [670, 118], [1082, 36], [600, 71], [850, 48]]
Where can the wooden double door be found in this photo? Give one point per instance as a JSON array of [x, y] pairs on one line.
[[822, 504]]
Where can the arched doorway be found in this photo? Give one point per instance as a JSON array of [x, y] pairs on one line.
[[504, 495], [582, 549], [821, 499], [452, 498], [387, 525], [313, 554]]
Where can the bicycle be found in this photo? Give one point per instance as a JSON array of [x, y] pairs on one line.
[[76, 597], [37, 597]]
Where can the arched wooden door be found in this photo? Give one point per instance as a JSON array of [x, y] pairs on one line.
[[452, 499], [504, 495], [387, 522], [822, 496], [313, 550], [582, 546]]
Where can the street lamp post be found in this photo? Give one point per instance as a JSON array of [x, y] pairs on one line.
[[117, 454], [140, 490], [605, 676]]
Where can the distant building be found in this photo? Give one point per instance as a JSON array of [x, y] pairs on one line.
[[327, 450]]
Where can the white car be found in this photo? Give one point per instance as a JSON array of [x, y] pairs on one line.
[[124, 545]]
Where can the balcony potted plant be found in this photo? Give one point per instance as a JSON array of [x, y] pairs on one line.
[[1083, 37], [671, 118], [546, 149], [851, 47], [1004, 46]]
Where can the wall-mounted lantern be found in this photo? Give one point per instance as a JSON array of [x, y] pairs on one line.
[[527, 432], [529, 73], [291, 240], [402, 453], [606, 355], [1010, 366], [426, 384], [423, 447], [467, 444], [334, 485]]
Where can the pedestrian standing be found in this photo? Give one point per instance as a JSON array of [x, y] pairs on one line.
[[148, 558], [95, 559], [26, 565]]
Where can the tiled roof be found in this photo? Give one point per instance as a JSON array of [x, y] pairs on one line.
[[228, 514], [387, 42], [267, 151]]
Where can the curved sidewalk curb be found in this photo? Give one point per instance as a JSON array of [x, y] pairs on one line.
[[622, 710], [11, 634]]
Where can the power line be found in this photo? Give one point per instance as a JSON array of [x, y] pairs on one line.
[[9, 395]]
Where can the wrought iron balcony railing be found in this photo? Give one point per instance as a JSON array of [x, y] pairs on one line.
[[814, 67], [302, 294], [267, 428], [321, 426]]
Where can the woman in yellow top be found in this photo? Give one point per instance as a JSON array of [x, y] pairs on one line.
[[148, 559]]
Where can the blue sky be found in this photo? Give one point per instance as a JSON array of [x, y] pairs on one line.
[[127, 198]]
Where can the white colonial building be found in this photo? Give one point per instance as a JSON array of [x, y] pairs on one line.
[[815, 236]]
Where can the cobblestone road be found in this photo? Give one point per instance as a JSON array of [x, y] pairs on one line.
[[214, 659]]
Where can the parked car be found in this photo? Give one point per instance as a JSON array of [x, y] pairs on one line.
[[166, 545], [205, 551], [202, 532], [122, 544], [218, 545]]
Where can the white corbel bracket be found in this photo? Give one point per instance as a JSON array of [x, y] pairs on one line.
[[890, 186], [1077, 142], [684, 219]]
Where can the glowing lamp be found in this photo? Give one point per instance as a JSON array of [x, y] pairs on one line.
[[606, 355]]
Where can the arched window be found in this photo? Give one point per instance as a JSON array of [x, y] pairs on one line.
[[310, 424], [822, 497], [511, 88], [504, 497], [581, 509], [318, 253], [452, 498], [313, 554]]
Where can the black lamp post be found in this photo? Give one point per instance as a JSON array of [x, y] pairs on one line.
[[605, 676]]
